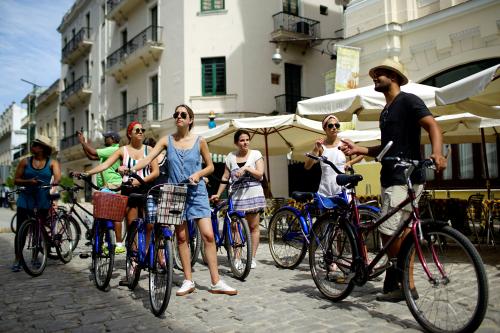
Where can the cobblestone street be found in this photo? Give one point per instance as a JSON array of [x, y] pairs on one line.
[[270, 300]]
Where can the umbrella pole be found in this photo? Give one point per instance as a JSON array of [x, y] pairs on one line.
[[267, 163], [485, 161]]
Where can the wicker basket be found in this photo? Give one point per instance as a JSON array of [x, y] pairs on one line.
[[171, 204], [109, 206]]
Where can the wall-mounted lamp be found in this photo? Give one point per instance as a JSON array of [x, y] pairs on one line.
[[277, 58], [328, 49]]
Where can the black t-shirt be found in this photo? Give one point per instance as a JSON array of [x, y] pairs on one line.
[[399, 123]]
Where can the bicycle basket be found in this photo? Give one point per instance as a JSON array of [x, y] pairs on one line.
[[109, 206], [171, 204]]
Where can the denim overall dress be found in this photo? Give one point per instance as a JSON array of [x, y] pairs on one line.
[[182, 163]]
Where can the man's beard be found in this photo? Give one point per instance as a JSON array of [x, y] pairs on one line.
[[382, 88]]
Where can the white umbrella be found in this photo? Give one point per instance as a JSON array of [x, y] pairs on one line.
[[365, 102], [478, 94], [272, 135]]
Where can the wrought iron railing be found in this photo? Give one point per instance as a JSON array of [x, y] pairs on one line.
[[297, 24], [151, 34], [82, 83], [142, 114], [287, 103], [69, 141], [111, 4], [70, 46]]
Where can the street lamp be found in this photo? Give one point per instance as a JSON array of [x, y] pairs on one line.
[[329, 49]]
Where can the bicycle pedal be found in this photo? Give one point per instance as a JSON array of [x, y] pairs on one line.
[[84, 255], [88, 244]]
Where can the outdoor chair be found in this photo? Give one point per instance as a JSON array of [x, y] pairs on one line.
[[476, 216]]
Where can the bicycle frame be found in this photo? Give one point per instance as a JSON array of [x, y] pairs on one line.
[[145, 255], [219, 239]]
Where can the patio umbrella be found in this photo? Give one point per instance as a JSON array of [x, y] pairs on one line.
[[365, 102], [272, 135], [478, 94]]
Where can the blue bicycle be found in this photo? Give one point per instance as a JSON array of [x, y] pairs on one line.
[[108, 207], [194, 244], [235, 233], [291, 229], [149, 241]]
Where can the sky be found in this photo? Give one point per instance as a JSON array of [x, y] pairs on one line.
[[30, 46]]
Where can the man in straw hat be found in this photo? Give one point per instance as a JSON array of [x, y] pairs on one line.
[[400, 121], [37, 169]]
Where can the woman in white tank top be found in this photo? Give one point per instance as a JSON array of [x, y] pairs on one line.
[[329, 147]]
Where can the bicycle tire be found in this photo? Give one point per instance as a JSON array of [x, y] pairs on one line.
[[331, 256], [373, 241], [103, 255], [76, 231], [13, 223], [458, 296], [63, 240], [240, 248], [194, 247], [32, 247], [286, 240], [132, 267], [160, 275]]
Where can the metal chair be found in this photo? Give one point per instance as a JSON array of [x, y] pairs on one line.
[[476, 216]]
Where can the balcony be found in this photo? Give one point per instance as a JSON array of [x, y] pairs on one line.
[[48, 95], [69, 141], [77, 92], [141, 50], [120, 10], [77, 47], [287, 103], [147, 113], [293, 28]]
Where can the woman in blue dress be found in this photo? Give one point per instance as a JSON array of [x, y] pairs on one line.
[[185, 152]]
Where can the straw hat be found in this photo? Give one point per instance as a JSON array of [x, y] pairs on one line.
[[44, 141], [392, 66]]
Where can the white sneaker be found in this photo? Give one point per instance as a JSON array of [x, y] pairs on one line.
[[186, 288], [222, 288], [238, 265], [254, 264]]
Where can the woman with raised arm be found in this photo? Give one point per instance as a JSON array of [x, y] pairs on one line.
[[329, 147], [249, 196], [185, 152], [130, 155]]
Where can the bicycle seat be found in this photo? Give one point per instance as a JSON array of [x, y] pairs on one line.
[[349, 181], [302, 196]]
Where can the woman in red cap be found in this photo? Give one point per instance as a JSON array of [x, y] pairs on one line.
[[130, 156]]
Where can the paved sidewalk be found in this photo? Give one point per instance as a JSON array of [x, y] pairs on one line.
[[64, 299]]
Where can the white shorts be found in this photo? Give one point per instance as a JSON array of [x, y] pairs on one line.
[[392, 196]]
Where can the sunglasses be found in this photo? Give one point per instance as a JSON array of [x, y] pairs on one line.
[[140, 130], [182, 114], [331, 125]]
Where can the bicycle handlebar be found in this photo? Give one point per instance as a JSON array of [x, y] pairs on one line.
[[326, 161]]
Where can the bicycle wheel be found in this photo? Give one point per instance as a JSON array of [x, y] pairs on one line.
[[13, 223], [132, 268], [63, 239], [455, 301], [160, 275], [239, 252], [331, 255], [286, 239], [373, 240], [103, 255], [194, 245], [32, 247], [76, 231]]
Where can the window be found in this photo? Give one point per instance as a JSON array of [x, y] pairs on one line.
[[213, 76], [291, 7], [323, 10], [124, 101], [208, 5]]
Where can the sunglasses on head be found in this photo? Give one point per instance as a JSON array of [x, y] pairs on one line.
[[182, 114], [140, 130], [331, 125]]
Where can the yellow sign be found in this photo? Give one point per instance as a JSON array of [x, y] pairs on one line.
[[347, 73]]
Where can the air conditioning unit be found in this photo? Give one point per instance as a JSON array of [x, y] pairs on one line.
[[302, 27]]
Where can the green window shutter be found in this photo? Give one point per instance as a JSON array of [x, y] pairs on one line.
[[208, 5], [213, 76]]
